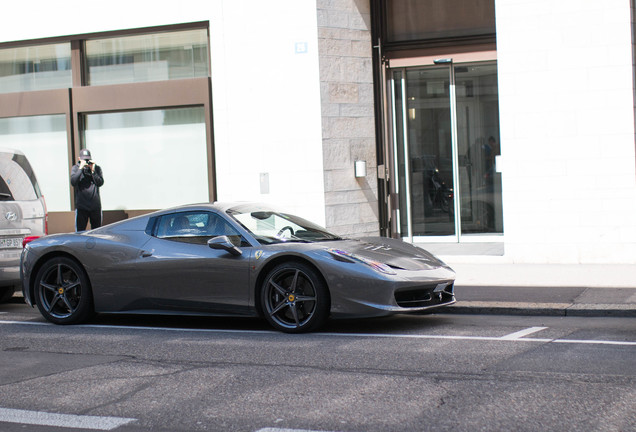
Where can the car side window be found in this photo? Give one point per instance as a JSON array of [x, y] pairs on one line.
[[18, 181], [197, 228], [5, 192]]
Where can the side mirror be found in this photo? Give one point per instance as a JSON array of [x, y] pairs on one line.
[[224, 243]]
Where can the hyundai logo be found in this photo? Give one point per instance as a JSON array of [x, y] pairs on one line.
[[11, 216]]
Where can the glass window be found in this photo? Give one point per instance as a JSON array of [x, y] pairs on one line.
[[17, 182], [149, 57], [196, 227], [478, 145], [40, 67], [150, 159], [416, 19], [269, 227], [426, 159], [183, 225], [43, 141]]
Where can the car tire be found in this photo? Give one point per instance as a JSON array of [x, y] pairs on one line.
[[6, 293], [63, 292], [294, 298]]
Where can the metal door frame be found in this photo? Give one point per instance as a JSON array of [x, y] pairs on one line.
[[391, 150]]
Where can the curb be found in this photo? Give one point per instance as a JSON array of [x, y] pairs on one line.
[[541, 309]]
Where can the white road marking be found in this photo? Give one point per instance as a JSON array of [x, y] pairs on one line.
[[286, 430], [594, 342], [420, 336], [522, 333], [40, 418], [507, 338], [176, 329]]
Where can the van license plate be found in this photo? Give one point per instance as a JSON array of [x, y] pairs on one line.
[[10, 243]]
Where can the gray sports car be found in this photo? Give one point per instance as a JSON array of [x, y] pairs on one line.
[[229, 260]]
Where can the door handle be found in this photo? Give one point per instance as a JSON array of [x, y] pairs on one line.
[[146, 254]]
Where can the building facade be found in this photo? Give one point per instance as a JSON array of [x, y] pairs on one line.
[[496, 129]]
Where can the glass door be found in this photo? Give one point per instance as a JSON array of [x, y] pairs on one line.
[[445, 141], [477, 105]]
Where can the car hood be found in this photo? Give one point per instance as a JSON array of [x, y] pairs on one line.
[[392, 252]]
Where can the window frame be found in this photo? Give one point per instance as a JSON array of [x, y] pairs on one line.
[[44, 44], [86, 70], [81, 99]]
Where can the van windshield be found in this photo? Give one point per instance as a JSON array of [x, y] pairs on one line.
[[17, 180]]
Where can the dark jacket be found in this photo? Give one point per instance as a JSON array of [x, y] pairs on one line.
[[87, 186]]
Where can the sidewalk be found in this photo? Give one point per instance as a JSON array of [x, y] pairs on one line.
[[492, 287]]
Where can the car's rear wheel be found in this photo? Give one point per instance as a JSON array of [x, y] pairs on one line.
[[63, 291], [294, 298]]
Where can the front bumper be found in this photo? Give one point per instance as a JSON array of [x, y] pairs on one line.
[[407, 300], [425, 296], [406, 292]]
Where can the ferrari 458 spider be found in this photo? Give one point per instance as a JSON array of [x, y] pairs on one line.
[[229, 260]]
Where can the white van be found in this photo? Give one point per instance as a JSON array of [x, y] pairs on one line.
[[22, 216]]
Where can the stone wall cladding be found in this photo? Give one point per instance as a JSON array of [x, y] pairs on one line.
[[348, 124]]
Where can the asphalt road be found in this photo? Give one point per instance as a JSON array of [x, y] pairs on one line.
[[404, 373]]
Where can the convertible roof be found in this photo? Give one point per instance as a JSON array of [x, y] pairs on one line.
[[220, 206]]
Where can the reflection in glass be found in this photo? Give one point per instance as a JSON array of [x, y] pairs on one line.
[[426, 184], [478, 145], [43, 141], [430, 169], [150, 159], [40, 67], [408, 20], [149, 57]]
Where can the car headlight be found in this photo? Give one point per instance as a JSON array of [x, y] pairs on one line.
[[350, 257]]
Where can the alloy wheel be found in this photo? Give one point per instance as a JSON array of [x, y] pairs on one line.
[[294, 298]]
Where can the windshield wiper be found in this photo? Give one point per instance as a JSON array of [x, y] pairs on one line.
[[294, 240], [326, 239]]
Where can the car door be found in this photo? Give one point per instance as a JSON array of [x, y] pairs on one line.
[[185, 274]]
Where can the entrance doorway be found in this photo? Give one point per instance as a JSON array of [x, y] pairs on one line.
[[445, 143]]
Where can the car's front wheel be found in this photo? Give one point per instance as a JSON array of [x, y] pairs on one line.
[[63, 291], [294, 298]]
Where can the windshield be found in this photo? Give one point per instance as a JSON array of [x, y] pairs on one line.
[[270, 227]]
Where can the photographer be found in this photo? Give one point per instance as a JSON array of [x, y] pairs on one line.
[[86, 179]]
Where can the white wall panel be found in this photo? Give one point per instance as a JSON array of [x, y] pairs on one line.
[[265, 83], [567, 130]]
